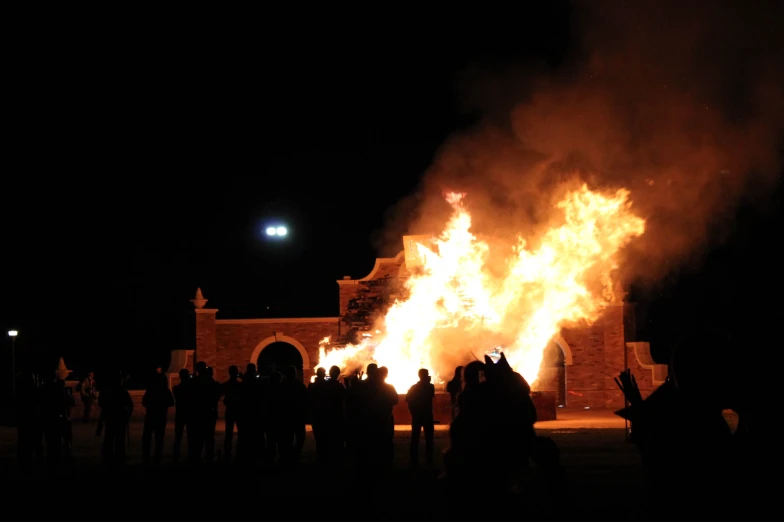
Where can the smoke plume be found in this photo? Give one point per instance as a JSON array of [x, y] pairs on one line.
[[681, 103]]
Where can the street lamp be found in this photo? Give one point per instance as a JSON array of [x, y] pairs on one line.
[[12, 334]]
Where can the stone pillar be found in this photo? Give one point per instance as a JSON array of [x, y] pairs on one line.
[[206, 342], [598, 356], [616, 356]]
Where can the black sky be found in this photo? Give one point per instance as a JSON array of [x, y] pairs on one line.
[[145, 163]]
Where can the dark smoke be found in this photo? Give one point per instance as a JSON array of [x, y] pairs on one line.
[[681, 103]]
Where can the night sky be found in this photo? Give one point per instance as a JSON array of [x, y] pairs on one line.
[[142, 166]]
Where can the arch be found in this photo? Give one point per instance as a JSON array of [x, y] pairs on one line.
[[278, 337], [278, 356], [564, 346]]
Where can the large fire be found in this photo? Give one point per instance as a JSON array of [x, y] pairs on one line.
[[458, 308]]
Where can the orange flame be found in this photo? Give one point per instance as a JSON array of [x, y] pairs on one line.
[[456, 307]]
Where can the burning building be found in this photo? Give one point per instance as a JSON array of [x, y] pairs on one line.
[[551, 305]]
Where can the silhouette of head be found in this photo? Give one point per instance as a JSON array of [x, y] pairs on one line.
[[321, 373], [233, 371], [424, 374], [372, 371], [184, 374], [161, 380], [250, 370], [383, 373], [334, 373], [201, 367], [472, 372], [458, 373]]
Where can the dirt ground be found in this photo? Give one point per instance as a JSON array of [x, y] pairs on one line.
[[601, 469]]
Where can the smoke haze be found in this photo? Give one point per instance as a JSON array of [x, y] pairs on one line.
[[681, 103]]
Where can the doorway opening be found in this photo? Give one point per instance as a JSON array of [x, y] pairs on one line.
[[276, 356]]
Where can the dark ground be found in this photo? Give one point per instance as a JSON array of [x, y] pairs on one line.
[[600, 468]]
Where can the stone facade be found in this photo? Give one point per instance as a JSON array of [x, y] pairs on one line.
[[589, 360]]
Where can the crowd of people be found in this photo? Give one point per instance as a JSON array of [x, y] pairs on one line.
[[352, 416], [683, 437]]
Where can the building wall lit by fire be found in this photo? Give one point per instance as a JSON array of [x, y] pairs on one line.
[[578, 365]]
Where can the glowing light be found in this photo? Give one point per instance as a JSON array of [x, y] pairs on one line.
[[271, 231], [454, 306], [13, 333], [281, 231]]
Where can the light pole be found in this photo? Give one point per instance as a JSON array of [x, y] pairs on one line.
[[12, 334]]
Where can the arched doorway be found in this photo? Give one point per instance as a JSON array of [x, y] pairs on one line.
[[277, 355], [553, 370]]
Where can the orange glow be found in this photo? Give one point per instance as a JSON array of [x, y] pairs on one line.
[[457, 309]]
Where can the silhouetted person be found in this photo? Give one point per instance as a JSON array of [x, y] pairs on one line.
[[355, 415], [196, 422], [315, 397], [420, 404], [332, 416], [56, 404], [252, 441], [116, 408], [280, 437], [363, 417], [183, 410], [28, 420], [295, 397], [387, 399], [231, 401], [88, 395], [454, 387], [467, 431], [207, 392], [683, 465], [157, 400]]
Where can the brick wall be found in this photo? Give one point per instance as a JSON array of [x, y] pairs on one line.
[[597, 357], [224, 342]]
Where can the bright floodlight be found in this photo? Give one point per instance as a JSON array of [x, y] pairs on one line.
[[13, 333], [271, 231], [281, 231]]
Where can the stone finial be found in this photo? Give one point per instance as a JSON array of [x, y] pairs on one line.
[[62, 370], [199, 300]]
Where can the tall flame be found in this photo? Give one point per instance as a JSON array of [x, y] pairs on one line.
[[457, 308]]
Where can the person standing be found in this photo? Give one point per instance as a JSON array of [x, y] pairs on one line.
[[88, 395], [183, 406], [420, 404], [231, 400], [157, 400]]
